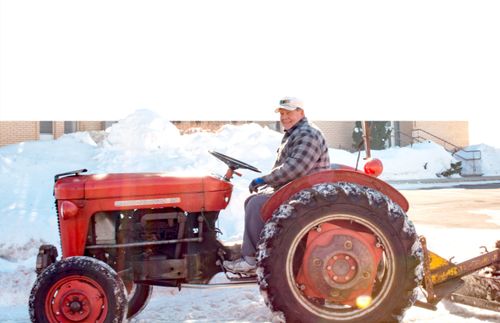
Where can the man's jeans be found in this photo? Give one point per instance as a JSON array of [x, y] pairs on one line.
[[253, 223]]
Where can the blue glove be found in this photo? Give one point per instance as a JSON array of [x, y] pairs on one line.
[[255, 184]]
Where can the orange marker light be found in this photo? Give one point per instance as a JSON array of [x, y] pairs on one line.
[[373, 167]]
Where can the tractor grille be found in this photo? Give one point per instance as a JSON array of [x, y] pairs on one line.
[[58, 225]]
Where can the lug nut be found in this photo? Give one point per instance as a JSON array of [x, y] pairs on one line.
[[348, 245], [317, 262], [366, 275]]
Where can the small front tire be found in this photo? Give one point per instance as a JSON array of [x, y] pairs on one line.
[[78, 289], [138, 299]]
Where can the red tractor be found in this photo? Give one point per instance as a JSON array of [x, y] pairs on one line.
[[337, 246]]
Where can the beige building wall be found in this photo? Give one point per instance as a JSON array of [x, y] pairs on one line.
[[90, 125], [405, 130], [80, 126], [12, 132], [338, 134], [58, 129], [213, 126], [454, 132]]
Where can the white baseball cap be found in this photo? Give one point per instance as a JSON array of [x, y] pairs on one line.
[[290, 103]]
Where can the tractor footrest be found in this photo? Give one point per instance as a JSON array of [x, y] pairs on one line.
[[240, 277]]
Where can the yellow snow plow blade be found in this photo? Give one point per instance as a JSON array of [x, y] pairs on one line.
[[441, 269], [442, 277]]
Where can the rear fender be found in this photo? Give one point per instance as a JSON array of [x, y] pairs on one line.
[[331, 176]]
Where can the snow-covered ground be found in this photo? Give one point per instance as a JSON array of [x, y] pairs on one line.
[[145, 142]]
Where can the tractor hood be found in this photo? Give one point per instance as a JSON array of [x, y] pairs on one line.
[[136, 184]]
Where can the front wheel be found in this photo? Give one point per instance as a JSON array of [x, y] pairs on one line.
[[339, 252], [139, 296], [78, 289]]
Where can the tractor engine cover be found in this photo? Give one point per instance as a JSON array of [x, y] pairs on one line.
[[339, 264]]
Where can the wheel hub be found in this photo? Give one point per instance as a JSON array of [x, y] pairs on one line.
[[339, 264], [75, 306], [76, 299], [341, 268]]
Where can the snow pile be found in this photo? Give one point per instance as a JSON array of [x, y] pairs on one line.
[[423, 160], [143, 130], [26, 186], [157, 148]]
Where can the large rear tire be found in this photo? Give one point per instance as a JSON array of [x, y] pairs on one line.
[[78, 289], [286, 245]]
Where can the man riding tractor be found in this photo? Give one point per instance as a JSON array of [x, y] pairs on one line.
[[303, 151]]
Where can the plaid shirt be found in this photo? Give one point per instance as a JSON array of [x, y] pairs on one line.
[[303, 151]]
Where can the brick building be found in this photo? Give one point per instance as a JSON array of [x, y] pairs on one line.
[[12, 132], [450, 134]]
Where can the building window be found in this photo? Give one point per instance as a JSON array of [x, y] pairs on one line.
[[46, 130], [69, 126]]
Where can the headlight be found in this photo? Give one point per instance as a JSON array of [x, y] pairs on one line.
[[68, 210]]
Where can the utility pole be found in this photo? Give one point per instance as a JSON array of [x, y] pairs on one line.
[[366, 138]]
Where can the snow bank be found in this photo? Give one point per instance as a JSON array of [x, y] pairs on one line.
[[26, 184], [422, 160], [143, 130]]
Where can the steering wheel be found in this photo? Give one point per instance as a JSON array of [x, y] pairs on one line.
[[232, 163]]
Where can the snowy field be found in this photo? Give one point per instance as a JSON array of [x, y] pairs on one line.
[[145, 142]]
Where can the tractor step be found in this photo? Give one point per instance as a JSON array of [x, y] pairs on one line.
[[476, 302], [241, 278], [233, 284]]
